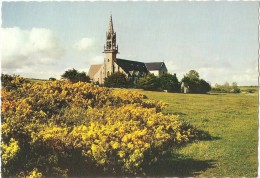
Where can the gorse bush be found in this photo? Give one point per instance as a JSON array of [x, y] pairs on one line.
[[12, 82], [58, 128]]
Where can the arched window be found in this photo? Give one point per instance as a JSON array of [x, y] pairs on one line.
[[108, 73], [107, 60]]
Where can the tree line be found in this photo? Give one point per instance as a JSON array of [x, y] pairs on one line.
[[166, 82], [169, 82], [190, 83]]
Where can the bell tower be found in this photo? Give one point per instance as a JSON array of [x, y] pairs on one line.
[[110, 50]]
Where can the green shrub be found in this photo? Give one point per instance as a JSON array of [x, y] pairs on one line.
[[169, 82], [251, 90], [226, 88], [149, 82], [116, 80], [52, 79], [195, 84]]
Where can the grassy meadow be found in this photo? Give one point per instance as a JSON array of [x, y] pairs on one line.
[[232, 122]]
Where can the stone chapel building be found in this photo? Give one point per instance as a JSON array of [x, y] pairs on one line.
[[112, 64]]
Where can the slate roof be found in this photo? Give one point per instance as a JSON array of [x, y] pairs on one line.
[[154, 65], [93, 70], [128, 65]]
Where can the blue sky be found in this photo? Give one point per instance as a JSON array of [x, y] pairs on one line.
[[218, 39]]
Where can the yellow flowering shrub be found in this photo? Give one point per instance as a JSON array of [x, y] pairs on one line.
[[9, 151], [34, 174], [63, 129], [128, 96]]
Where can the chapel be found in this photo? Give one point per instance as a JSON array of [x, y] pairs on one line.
[[112, 64]]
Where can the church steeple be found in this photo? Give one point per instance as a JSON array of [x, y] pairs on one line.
[[110, 45], [110, 27], [110, 50]]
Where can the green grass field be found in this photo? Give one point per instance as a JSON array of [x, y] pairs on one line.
[[231, 120]]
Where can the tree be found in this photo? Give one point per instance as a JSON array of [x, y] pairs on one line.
[[204, 86], [196, 85], [116, 80], [52, 79], [169, 82], [226, 85], [192, 82], [226, 88], [74, 76], [150, 82], [193, 75]]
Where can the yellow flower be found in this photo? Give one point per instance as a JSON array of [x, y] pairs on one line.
[[115, 145]]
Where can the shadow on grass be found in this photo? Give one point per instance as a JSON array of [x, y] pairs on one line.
[[170, 165], [218, 93], [178, 166], [179, 113], [205, 136], [200, 135]]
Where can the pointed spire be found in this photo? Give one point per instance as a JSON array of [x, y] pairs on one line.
[[110, 45], [110, 28]]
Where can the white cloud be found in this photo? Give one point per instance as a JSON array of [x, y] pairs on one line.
[[84, 44], [43, 72], [217, 70], [247, 76], [97, 59], [28, 48]]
